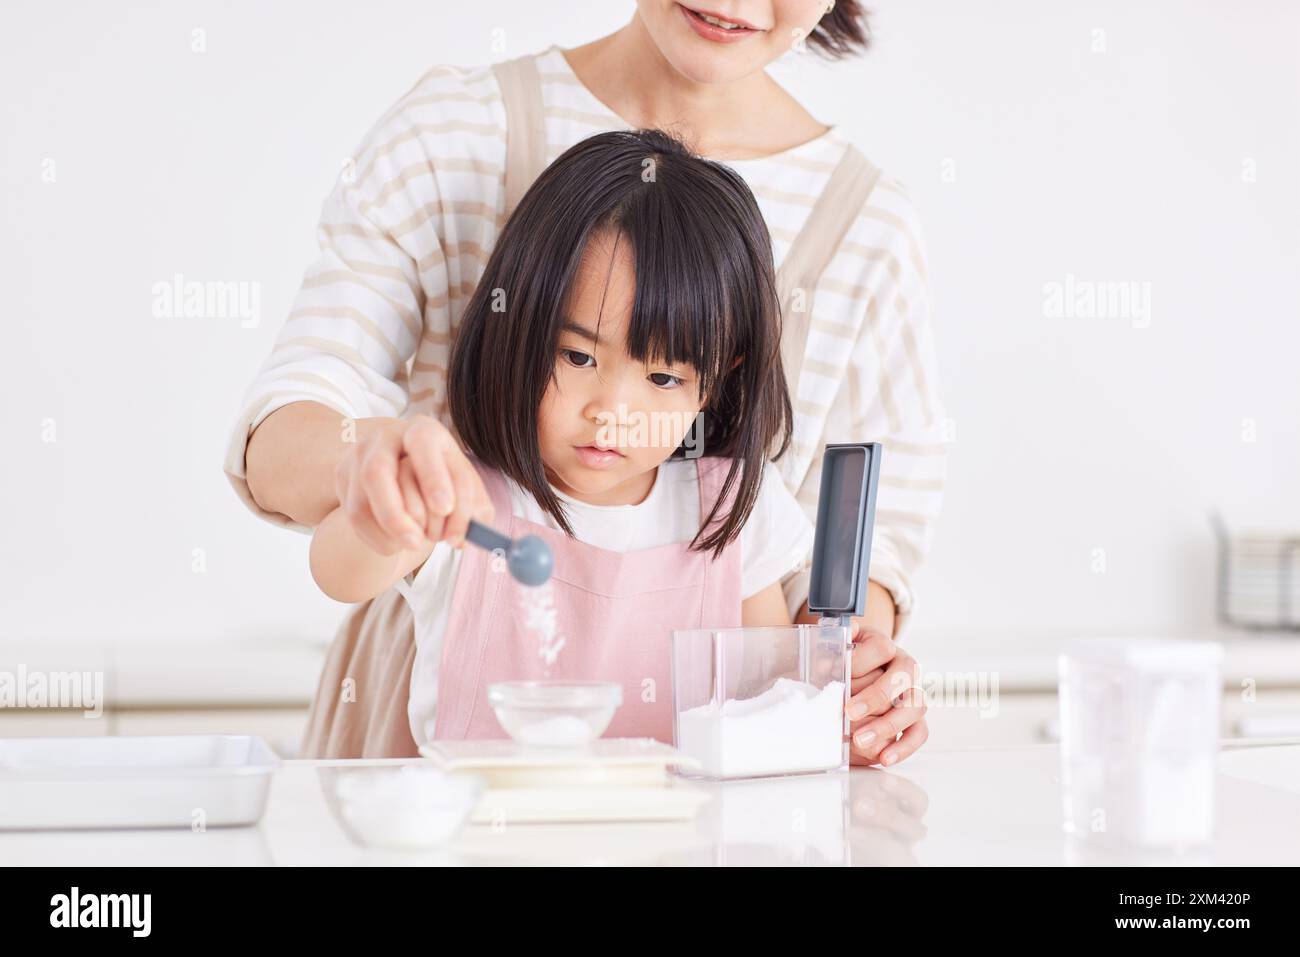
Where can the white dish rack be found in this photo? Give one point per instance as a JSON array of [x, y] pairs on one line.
[[1258, 578]]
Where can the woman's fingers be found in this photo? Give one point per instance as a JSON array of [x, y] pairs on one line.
[[877, 697], [408, 482], [427, 443], [449, 487], [353, 501], [471, 497], [363, 522], [858, 683], [375, 489], [878, 733], [343, 478], [410, 489], [377, 476], [914, 736], [872, 650]]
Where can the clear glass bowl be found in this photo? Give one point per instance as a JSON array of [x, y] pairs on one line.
[[555, 714], [408, 807]]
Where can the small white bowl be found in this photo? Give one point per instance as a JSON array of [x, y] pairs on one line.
[[407, 807], [555, 714]]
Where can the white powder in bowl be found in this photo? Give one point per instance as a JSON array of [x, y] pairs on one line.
[[562, 731], [405, 807], [792, 726]]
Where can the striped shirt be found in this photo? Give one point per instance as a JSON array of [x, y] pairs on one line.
[[405, 234]]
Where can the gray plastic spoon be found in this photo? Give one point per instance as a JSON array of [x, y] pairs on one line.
[[529, 558]]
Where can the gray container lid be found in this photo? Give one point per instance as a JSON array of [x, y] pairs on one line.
[[846, 513]]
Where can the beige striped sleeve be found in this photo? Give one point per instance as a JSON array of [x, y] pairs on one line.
[[892, 396], [375, 303]]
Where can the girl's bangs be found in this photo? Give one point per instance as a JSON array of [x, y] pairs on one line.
[[682, 312]]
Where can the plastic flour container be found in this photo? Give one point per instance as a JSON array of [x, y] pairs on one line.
[[1139, 737], [756, 702]]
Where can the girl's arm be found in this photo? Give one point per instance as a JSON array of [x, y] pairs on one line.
[[766, 608], [777, 537], [348, 570], [879, 617]]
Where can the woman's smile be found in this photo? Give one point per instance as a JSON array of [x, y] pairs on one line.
[[717, 28]]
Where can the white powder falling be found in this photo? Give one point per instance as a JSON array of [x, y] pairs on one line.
[[541, 618], [792, 726]]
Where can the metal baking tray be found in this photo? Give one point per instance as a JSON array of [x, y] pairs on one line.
[[193, 781]]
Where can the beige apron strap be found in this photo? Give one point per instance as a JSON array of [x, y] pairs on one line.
[[521, 90], [359, 710], [828, 223], [834, 212]]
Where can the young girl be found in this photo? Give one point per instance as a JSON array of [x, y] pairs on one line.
[[616, 381]]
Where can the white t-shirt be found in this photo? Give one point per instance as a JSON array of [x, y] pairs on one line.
[[776, 539]]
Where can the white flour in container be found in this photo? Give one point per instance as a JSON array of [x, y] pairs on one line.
[[792, 726]]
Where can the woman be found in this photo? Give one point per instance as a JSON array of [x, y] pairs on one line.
[[356, 379]]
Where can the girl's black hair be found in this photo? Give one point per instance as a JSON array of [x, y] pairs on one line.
[[705, 295]]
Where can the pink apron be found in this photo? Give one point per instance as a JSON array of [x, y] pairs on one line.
[[615, 610]]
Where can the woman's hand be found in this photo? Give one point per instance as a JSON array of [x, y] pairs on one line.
[[407, 482], [887, 700]]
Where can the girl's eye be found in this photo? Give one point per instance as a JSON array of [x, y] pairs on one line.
[[664, 380], [576, 358]]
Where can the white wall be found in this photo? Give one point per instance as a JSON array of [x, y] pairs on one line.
[[1070, 434]]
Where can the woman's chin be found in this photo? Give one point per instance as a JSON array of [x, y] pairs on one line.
[[708, 66]]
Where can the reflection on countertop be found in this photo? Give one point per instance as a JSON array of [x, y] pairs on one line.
[[993, 806]]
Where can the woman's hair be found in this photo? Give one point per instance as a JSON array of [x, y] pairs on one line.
[[705, 296], [842, 32]]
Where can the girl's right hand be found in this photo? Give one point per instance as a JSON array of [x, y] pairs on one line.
[[409, 482]]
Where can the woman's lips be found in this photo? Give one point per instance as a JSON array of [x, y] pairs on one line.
[[597, 458], [713, 32]]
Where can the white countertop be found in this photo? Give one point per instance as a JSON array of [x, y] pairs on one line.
[[937, 808]]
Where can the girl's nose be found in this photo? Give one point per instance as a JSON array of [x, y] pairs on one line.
[[600, 411], [609, 408], [606, 401]]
